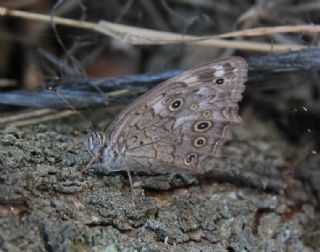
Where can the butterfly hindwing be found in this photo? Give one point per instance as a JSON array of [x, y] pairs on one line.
[[185, 120]]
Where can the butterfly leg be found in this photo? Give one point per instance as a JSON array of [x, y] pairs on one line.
[[131, 184], [85, 168]]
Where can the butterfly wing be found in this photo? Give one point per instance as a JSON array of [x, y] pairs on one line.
[[184, 121]]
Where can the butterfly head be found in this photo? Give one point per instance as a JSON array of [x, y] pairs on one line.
[[97, 146]]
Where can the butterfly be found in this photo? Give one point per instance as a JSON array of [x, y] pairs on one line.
[[180, 125]]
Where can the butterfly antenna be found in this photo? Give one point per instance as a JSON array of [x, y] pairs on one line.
[[70, 106]]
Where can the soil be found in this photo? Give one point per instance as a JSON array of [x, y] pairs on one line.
[[43, 209]]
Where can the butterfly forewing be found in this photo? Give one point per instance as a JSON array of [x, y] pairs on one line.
[[184, 121]]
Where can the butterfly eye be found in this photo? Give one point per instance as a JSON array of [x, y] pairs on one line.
[[176, 104], [202, 126], [190, 158], [220, 81], [200, 141]]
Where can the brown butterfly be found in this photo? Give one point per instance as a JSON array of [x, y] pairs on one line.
[[179, 125]]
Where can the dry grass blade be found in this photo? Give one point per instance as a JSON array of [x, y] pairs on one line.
[[262, 31], [23, 115], [140, 36], [8, 83], [33, 117]]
